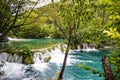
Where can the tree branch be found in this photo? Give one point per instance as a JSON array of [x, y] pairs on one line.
[[60, 29]]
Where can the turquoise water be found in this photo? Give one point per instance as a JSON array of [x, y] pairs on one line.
[[92, 59], [44, 71], [34, 43]]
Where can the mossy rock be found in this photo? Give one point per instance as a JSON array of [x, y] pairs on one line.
[[47, 59], [62, 49], [27, 57], [95, 71], [12, 51], [49, 49], [43, 51], [28, 60], [53, 48]]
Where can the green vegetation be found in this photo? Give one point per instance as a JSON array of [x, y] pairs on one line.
[[62, 48], [77, 21], [25, 51], [13, 14], [114, 59], [27, 54], [94, 71]]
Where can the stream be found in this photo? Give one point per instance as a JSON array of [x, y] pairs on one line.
[[40, 70]]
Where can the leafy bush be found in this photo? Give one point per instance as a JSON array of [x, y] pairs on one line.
[[27, 54], [114, 59]]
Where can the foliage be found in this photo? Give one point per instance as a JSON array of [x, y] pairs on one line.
[[76, 20], [27, 54], [42, 28], [56, 34], [11, 12], [114, 59], [113, 33], [33, 31]]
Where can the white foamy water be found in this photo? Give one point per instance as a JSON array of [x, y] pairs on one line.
[[18, 71], [58, 57], [13, 70], [89, 49], [39, 64], [41, 68], [16, 39]]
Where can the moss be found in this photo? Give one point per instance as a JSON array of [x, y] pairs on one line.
[[11, 51], [27, 60], [53, 48], [47, 59], [27, 57], [62, 49], [94, 71], [43, 51], [27, 54], [49, 49], [88, 68]]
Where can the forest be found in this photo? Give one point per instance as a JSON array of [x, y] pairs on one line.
[[95, 23]]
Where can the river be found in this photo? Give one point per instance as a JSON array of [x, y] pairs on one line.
[[47, 70]]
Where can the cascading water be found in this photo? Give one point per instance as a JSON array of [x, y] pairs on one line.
[[10, 58], [41, 70], [12, 69]]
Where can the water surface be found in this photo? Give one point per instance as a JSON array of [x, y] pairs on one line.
[[34, 43], [44, 71]]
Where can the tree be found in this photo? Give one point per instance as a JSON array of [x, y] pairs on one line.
[[11, 11], [114, 57], [67, 16], [114, 33]]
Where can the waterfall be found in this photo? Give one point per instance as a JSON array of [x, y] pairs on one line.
[[13, 69], [10, 58]]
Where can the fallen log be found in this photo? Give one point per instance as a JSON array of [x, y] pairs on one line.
[[107, 69]]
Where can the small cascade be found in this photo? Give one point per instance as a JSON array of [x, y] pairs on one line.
[[57, 56], [10, 58], [87, 47], [46, 64], [37, 57]]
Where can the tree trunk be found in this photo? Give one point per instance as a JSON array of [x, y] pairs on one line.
[[75, 43], [107, 69], [65, 60]]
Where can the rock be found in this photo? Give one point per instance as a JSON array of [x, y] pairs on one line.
[[47, 59], [2, 73]]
